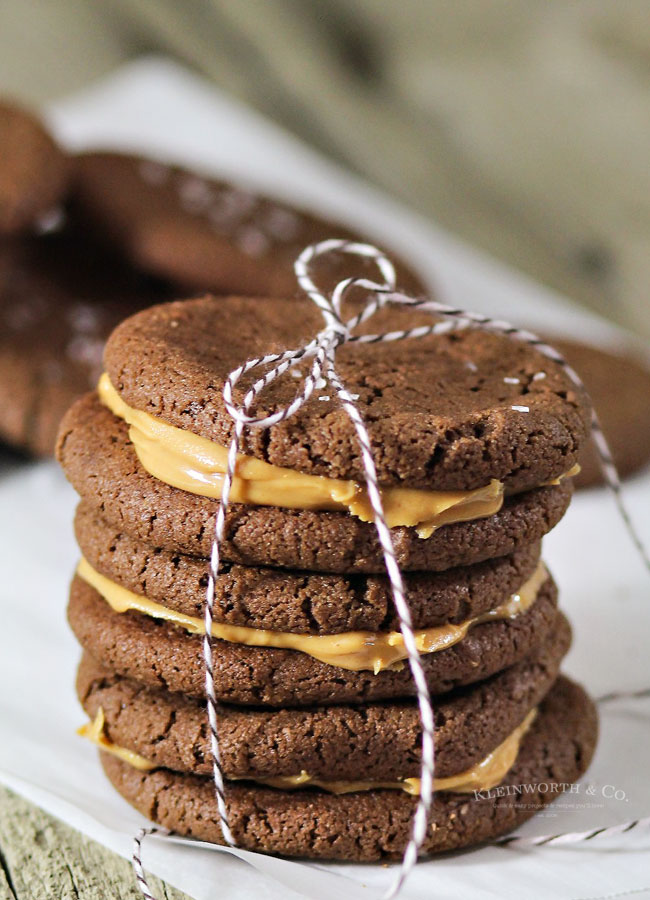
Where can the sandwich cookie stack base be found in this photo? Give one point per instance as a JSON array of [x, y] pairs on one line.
[[475, 438]]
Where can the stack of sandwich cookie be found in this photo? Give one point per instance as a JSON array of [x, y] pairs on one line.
[[475, 439]]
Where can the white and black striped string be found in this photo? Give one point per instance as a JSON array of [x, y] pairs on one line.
[[322, 351], [136, 859]]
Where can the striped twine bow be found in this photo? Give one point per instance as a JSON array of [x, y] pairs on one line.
[[322, 351]]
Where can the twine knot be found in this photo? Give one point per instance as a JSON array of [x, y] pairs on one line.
[[323, 346]]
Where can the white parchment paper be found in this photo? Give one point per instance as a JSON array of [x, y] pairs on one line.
[[157, 107]]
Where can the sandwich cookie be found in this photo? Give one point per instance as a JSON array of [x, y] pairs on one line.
[[99, 460], [260, 670], [297, 601], [34, 171], [206, 234], [444, 457], [375, 823], [450, 412], [333, 743], [355, 650]]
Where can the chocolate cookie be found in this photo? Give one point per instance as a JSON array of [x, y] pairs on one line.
[[619, 386], [447, 412], [60, 297], [207, 234], [337, 742], [374, 825], [98, 458], [298, 602], [156, 653], [34, 171]]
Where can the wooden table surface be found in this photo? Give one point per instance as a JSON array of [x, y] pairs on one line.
[[43, 859]]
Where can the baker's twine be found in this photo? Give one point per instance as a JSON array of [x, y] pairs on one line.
[[136, 859], [321, 350]]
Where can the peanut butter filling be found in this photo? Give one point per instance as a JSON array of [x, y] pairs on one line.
[[486, 774], [94, 731], [353, 650], [195, 464]]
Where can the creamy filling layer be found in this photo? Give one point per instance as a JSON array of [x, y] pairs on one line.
[[486, 774], [353, 650], [95, 731], [195, 464]]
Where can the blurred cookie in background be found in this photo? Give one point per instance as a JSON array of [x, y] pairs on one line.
[[204, 233], [86, 241], [619, 385], [60, 297], [34, 171]]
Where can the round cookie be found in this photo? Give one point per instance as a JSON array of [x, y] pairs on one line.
[[207, 234], [373, 825], [156, 653], [298, 602], [619, 386], [382, 740], [60, 297], [98, 458], [446, 412], [34, 171]]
